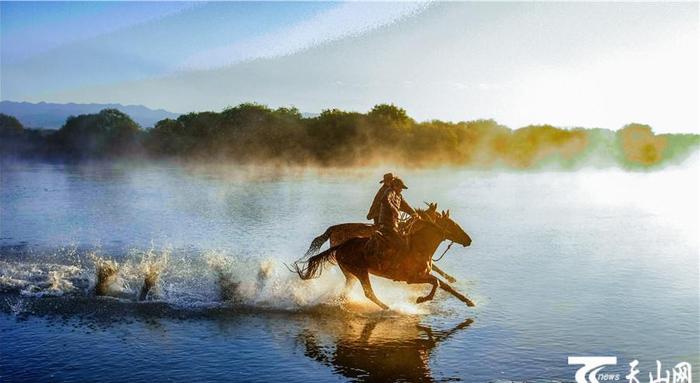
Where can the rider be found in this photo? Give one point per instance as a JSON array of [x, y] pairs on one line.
[[391, 204], [373, 213]]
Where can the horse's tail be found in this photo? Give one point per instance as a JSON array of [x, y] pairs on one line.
[[318, 242], [313, 267]]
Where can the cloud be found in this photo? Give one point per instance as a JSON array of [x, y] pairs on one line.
[[348, 19]]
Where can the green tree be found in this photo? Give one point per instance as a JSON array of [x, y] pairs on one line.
[[10, 126], [107, 133], [388, 126], [334, 136]]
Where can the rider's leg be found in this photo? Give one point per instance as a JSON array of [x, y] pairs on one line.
[[397, 241]]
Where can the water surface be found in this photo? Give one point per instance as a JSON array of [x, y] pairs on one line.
[[594, 262]]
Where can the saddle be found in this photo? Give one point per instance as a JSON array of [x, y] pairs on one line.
[[382, 248]]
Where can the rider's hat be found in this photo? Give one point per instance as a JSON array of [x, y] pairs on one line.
[[387, 179], [399, 182]]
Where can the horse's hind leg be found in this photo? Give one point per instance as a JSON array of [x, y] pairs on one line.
[[349, 282], [363, 276]]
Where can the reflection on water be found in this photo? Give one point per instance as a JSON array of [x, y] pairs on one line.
[[376, 349]]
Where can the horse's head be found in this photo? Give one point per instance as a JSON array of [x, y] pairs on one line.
[[442, 220], [453, 231]]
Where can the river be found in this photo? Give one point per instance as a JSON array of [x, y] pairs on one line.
[[563, 263]]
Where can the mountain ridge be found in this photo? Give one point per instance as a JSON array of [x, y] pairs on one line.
[[49, 115]]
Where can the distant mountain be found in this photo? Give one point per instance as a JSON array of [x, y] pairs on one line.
[[53, 116]]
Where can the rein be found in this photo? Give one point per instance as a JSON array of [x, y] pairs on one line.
[[444, 252]]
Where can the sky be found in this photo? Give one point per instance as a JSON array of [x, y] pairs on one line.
[[566, 64]]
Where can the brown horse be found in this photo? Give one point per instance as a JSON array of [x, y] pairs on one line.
[[344, 231], [358, 257]]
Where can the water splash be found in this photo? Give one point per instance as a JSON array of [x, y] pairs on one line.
[[144, 271], [58, 283], [38, 278], [107, 278], [191, 279], [18, 307], [226, 281]]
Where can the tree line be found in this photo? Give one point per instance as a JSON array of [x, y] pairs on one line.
[[254, 133]]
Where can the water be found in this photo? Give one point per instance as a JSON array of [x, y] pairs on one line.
[[594, 262]]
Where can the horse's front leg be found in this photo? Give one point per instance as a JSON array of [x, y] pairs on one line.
[[457, 294], [449, 278], [430, 295], [427, 279]]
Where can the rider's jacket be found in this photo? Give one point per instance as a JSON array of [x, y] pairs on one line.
[[376, 202], [391, 205]]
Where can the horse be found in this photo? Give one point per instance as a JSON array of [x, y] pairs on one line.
[[360, 256], [344, 231]]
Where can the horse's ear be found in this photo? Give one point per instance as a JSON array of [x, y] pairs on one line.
[[448, 213], [442, 213]]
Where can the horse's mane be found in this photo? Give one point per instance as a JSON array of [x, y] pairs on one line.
[[425, 213]]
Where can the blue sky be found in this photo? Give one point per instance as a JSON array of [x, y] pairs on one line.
[[568, 64]]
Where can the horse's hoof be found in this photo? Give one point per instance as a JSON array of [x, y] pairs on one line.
[[470, 303], [421, 299]]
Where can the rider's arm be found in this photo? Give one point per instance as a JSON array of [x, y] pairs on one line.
[[407, 208], [389, 204]]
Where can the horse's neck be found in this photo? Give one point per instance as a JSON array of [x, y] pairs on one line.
[[425, 241]]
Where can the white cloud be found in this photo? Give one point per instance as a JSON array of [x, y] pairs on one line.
[[348, 19]]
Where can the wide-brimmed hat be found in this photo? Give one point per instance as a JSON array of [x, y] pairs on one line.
[[399, 182], [387, 178]]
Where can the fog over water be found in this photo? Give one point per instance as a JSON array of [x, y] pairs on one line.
[[588, 262]]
